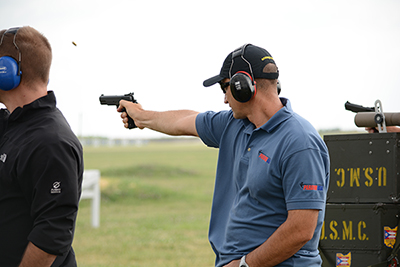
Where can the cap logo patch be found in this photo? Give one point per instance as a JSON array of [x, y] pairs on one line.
[[266, 57]]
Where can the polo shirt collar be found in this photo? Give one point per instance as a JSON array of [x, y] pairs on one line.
[[282, 115]]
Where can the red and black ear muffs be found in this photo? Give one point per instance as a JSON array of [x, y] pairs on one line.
[[10, 69], [243, 87], [242, 84]]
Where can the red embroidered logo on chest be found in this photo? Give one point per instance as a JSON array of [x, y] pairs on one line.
[[264, 157]]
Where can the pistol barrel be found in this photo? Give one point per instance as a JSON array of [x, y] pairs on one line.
[[367, 119]]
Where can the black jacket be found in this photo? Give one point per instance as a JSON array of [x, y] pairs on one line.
[[41, 167]]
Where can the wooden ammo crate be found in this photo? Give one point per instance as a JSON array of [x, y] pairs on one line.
[[363, 234], [364, 168]]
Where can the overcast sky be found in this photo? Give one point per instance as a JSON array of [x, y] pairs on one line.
[[328, 52]]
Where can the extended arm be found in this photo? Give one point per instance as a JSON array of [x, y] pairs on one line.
[[291, 236], [174, 122], [35, 257]]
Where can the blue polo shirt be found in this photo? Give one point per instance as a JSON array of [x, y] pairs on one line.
[[261, 174]]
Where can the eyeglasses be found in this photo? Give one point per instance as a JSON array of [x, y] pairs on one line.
[[223, 86]]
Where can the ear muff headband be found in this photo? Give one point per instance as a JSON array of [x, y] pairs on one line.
[[242, 84], [10, 69], [240, 52]]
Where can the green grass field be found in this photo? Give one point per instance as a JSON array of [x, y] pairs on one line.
[[155, 206]]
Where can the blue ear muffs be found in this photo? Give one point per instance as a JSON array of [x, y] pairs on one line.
[[10, 72], [10, 76]]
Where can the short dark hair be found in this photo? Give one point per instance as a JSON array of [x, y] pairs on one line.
[[270, 67], [264, 83]]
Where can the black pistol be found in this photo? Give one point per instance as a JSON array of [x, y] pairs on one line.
[[113, 100], [357, 108]]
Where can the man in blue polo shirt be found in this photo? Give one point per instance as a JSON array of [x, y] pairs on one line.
[[273, 167]]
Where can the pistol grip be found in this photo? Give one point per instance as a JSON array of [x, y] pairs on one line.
[[131, 123]]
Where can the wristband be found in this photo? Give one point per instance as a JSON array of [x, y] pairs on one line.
[[243, 262]]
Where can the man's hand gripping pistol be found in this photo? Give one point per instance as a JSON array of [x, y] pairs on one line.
[[113, 100]]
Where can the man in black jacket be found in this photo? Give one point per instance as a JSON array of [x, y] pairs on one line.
[[41, 161]]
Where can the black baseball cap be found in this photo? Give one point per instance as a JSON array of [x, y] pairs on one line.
[[249, 58]]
